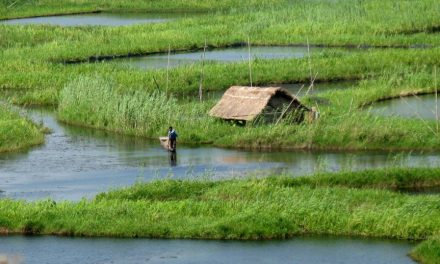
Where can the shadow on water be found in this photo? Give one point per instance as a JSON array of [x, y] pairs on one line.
[[173, 158], [99, 19], [318, 250], [78, 162], [434, 190]]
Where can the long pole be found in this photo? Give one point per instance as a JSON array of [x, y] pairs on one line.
[[436, 97], [202, 73], [168, 67], [249, 56], [310, 64]]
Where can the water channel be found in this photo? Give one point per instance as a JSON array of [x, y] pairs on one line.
[[224, 55], [317, 250], [78, 162], [98, 19]]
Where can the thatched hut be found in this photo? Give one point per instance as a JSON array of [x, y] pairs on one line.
[[269, 104]]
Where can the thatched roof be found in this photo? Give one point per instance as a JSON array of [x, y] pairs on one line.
[[246, 103]]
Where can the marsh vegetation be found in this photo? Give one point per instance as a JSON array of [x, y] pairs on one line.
[[390, 48]]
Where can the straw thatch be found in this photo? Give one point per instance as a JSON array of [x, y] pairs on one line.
[[246, 103]]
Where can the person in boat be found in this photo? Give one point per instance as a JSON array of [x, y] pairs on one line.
[[172, 138]]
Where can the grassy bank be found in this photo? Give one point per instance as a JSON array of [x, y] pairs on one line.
[[17, 132], [241, 209], [390, 178], [428, 251], [13, 9]]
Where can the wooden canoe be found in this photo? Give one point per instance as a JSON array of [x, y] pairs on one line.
[[164, 143]]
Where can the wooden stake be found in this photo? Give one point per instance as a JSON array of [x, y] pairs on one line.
[[249, 56]]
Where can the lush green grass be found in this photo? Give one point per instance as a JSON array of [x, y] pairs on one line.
[[428, 251], [393, 178], [13, 9], [234, 209], [127, 100], [390, 178], [267, 208], [40, 82], [26, 60], [17, 132]]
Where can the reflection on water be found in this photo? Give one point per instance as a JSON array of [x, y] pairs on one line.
[[10, 259], [173, 158], [98, 19], [76, 162], [420, 107], [318, 250], [235, 54], [421, 190]]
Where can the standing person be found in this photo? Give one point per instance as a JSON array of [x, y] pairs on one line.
[[172, 138]]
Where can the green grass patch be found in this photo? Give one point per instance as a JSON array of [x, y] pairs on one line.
[[428, 251], [266, 208], [389, 178], [14, 9], [17, 132]]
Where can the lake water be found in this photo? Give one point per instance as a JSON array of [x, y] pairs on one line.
[[98, 19], [317, 250]]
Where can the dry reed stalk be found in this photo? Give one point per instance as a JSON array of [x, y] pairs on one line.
[[284, 111], [300, 89], [310, 64], [312, 82], [418, 116]]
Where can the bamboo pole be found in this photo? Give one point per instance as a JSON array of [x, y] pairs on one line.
[[249, 57], [436, 98], [202, 73], [168, 67], [310, 65]]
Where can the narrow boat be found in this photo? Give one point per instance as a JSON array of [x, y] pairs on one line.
[[164, 143]]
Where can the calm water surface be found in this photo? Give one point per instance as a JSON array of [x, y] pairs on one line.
[[76, 162], [419, 107], [323, 250], [234, 54], [98, 19]]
